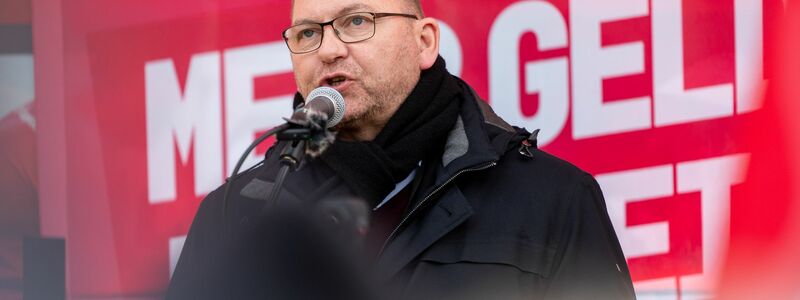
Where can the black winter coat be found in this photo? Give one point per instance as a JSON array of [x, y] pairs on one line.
[[486, 222]]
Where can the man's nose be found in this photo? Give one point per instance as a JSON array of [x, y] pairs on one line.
[[331, 47]]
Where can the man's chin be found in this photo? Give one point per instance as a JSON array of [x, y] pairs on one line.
[[348, 128], [354, 116], [346, 125]]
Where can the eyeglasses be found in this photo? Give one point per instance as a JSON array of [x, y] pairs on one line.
[[350, 28]]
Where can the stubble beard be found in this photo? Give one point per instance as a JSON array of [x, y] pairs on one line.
[[382, 98], [383, 92]]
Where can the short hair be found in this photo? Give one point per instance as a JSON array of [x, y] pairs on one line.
[[417, 6]]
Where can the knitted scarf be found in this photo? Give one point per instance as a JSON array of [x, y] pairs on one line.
[[418, 128]]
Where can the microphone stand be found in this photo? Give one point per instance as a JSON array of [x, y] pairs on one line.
[[289, 159], [297, 135]]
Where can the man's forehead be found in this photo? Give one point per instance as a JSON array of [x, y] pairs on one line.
[[324, 10]]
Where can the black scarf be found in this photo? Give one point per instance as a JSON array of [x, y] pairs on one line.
[[418, 128]]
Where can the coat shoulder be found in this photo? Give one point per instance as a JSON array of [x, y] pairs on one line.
[[542, 170]]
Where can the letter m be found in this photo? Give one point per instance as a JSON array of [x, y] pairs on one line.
[[188, 119]]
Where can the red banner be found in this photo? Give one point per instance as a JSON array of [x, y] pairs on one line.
[[158, 99]]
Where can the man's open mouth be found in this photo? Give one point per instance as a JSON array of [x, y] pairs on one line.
[[335, 81]]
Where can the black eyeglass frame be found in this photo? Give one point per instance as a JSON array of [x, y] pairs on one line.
[[375, 16]]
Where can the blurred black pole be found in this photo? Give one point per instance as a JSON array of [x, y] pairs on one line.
[[43, 268]]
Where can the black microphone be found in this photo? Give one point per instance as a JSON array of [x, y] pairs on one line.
[[324, 108]]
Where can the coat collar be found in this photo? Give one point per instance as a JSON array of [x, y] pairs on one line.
[[479, 137], [451, 210], [478, 140]]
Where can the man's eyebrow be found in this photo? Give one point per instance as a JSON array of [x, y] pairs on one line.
[[355, 7]]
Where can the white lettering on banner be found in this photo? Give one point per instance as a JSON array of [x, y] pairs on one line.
[[547, 77], [190, 117], [625, 187], [712, 177], [591, 63], [173, 114], [672, 102], [656, 289], [244, 114], [450, 48], [749, 40], [175, 117]]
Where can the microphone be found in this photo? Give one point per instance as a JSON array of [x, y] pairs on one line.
[[324, 108]]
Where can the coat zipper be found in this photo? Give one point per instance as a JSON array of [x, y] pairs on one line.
[[414, 210]]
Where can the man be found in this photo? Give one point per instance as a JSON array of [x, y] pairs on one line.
[[464, 205]]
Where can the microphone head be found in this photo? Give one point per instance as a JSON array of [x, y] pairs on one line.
[[334, 98]]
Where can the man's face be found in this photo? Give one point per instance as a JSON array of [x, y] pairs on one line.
[[374, 75]]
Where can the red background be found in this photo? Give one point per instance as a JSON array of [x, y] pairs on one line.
[[90, 89]]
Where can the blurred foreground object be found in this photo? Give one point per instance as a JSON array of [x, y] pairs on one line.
[[43, 262], [764, 261], [19, 204]]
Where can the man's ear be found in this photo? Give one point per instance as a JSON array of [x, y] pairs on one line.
[[428, 40]]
